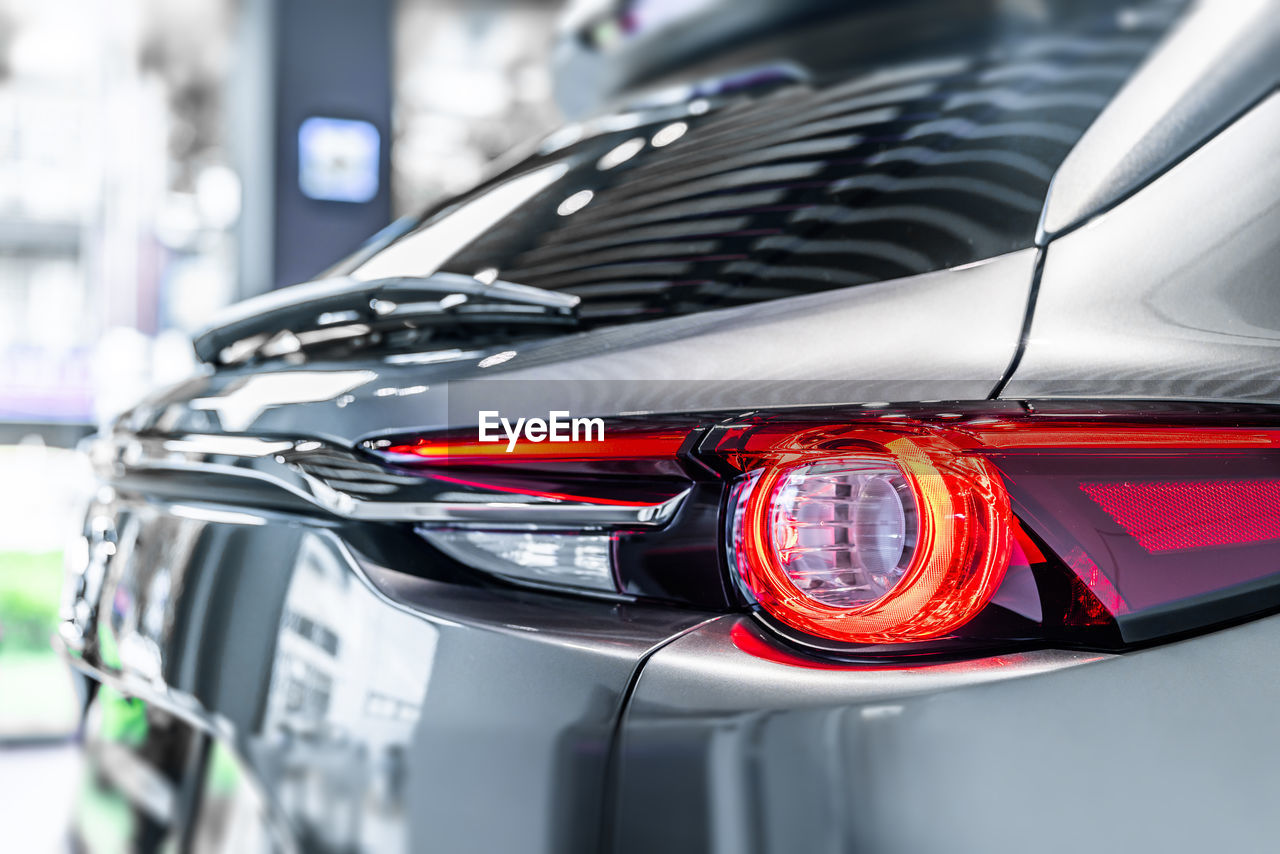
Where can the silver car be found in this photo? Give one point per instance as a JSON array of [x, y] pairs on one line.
[[856, 432]]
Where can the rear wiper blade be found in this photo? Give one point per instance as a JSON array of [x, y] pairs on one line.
[[332, 310]]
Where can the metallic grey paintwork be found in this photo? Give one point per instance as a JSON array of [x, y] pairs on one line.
[[1169, 749], [1175, 292], [1221, 58], [946, 334], [377, 709]]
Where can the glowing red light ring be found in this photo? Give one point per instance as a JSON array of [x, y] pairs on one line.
[[963, 549]]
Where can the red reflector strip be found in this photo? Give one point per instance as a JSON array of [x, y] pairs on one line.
[[1170, 515]]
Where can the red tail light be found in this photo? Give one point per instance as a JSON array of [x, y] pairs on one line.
[[1149, 528], [621, 441], [905, 541], [982, 523]]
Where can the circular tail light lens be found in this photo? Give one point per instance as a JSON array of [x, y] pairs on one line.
[[903, 545], [844, 532]]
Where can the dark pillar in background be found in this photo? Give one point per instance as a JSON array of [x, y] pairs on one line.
[[297, 59]]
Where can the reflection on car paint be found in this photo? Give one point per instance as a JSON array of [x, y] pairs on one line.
[[325, 725]]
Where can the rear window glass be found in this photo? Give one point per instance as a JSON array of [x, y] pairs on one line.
[[901, 170]]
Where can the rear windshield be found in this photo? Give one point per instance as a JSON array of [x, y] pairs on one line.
[[793, 187]]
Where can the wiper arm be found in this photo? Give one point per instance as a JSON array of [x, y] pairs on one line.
[[335, 309]]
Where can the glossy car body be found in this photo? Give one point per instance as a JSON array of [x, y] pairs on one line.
[[287, 664]]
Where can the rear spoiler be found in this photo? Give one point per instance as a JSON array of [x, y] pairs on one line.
[[292, 318]]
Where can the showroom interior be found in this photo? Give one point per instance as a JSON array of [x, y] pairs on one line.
[[153, 169]]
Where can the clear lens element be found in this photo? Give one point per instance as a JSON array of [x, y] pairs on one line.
[[575, 560], [844, 531]]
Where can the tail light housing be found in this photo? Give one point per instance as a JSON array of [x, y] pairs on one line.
[[583, 516], [871, 537], [892, 530]]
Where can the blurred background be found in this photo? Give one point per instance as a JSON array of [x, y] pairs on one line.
[[159, 160]]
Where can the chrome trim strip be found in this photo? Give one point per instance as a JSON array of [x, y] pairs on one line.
[[121, 454], [240, 446], [571, 515]]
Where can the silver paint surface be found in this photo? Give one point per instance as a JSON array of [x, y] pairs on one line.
[[947, 334], [372, 709], [1166, 749], [1172, 294], [1219, 60]]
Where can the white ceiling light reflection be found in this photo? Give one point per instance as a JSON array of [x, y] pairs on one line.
[[497, 359], [431, 358], [404, 391], [575, 203], [235, 446], [208, 514], [562, 138], [669, 134], [621, 154], [422, 253], [238, 408]]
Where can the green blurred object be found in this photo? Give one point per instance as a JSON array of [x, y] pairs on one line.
[[37, 697], [124, 719], [224, 778], [30, 587]]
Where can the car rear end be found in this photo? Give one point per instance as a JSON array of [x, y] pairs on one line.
[[785, 465]]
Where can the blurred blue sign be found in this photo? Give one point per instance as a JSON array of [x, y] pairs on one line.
[[338, 159]]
